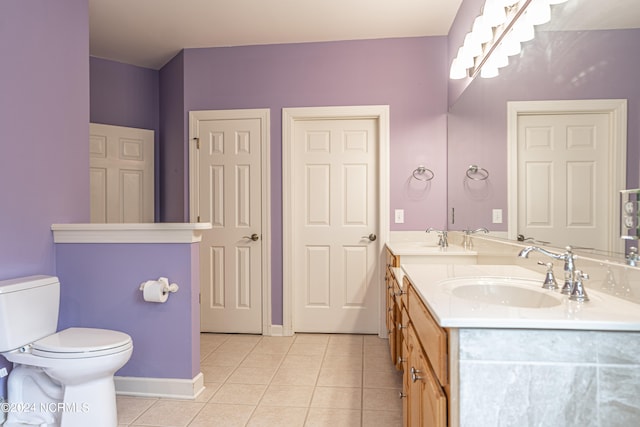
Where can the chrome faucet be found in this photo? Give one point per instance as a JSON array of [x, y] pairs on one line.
[[466, 237], [442, 237], [632, 256], [569, 265]]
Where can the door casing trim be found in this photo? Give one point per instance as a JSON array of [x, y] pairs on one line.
[[264, 115], [289, 118]]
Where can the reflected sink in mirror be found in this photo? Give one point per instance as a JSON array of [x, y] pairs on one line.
[[503, 291]]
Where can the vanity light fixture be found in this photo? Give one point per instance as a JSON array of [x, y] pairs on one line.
[[497, 34]]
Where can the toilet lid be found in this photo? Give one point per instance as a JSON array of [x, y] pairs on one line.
[[81, 342]]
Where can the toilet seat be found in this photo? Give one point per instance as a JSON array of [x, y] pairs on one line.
[[79, 343]]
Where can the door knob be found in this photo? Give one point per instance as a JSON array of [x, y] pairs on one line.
[[253, 237], [372, 237]]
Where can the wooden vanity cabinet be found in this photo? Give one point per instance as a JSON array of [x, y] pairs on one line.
[[425, 378], [419, 348], [394, 296]]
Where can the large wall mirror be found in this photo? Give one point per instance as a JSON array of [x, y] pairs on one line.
[[589, 51]]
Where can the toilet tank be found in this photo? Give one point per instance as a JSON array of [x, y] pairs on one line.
[[28, 310]]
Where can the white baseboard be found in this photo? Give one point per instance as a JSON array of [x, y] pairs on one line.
[[274, 331], [160, 387]]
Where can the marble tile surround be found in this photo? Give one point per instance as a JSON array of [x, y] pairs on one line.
[[548, 378]]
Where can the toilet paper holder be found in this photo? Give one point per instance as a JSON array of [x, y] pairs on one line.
[[166, 287]]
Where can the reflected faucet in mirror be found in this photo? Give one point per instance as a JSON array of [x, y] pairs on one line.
[[521, 238], [467, 243], [632, 256], [443, 242]]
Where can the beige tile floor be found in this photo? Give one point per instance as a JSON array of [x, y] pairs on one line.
[[304, 380]]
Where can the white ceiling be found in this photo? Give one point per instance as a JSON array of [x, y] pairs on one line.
[[148, 33]]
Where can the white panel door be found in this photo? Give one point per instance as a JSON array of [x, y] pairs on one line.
[[335, 211], [229, 197], [563, 170], [121, 174]]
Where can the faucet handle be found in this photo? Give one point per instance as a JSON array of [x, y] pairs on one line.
[[549, 278], [578, 292], [632, 256]]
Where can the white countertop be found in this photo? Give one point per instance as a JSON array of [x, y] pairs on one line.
[[602, 312], [427, 248]]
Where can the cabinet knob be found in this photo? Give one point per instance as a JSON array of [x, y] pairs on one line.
[[400, 293], [401, 395], [401, 326], [414, 374], [401, 360]]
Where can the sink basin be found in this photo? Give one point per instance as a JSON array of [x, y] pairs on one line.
[[510, 292]]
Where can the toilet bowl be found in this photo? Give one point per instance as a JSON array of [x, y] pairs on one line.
[[63, 379], [77, 386]]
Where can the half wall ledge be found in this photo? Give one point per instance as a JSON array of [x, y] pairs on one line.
[[169, 232]]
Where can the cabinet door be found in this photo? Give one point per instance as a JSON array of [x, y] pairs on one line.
[[427, 402], [388, 295], [406, 384], [432, 398], [392, 260]]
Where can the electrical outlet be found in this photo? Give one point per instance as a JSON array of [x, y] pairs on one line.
[[3, 372], [497, 216], [399, 216]]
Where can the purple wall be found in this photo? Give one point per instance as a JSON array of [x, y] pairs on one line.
[[408, 74], [174, 158], [555, 66], [123, 94], [99, 289], [44, 116]]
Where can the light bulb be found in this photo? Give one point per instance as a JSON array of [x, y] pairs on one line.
[[466, 61], [471, 48], [457, 71], [510, 45], [488, 72], [498, 58], [538, 12], [481, 32], [494, 13], [523, 30]]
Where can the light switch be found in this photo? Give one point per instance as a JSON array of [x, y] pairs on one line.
[[399, 216], [497, 216]]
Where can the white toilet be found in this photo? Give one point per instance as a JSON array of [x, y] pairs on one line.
[[60, 379]]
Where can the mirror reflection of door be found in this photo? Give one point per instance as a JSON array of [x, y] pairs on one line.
[[121, 162], [563, 181]]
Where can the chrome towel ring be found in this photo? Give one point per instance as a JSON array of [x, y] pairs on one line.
[[421, 173], [477, 173]]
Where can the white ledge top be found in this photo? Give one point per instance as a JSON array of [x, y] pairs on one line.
[[160, 232]]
